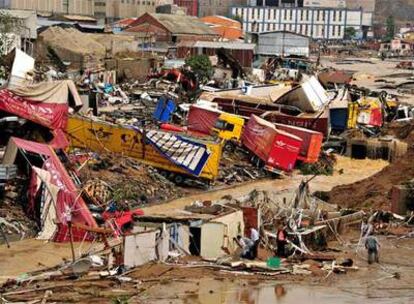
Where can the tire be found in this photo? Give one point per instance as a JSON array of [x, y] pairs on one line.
[[229, 146], [179, 179]]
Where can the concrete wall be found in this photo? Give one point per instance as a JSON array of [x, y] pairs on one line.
[[82, 7], [217, 7], [220, 233], [78, 7], [120, 9]]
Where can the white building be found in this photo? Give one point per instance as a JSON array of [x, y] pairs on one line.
[[318, 23]]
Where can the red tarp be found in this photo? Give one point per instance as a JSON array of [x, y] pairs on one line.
[[59, 140], [69, 200], [276, 148], [53, 116], [201, 119]]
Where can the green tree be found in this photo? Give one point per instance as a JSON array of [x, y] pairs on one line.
[[201, 66], [349, 33], [390, 27]]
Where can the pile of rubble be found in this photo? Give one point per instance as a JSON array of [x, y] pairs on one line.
[[14, 222], [128, 181]]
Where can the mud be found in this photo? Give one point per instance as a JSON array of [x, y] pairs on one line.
[[30, 255], [370, 284], [368, 74], [347, 171]]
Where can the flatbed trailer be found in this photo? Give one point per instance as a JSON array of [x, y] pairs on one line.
[[100, 136]]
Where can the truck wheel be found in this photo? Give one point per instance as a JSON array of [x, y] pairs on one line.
[[164, 173], [179, 179], [229, 147], [253, 159]]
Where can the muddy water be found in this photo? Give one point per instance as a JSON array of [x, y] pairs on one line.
[[211, 291]]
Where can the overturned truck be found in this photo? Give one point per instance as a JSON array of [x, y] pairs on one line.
[[177, 157]]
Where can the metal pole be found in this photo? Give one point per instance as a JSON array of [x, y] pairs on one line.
[[71, 241]]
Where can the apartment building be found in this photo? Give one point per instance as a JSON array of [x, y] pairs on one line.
[[318, 23], [71, 7]]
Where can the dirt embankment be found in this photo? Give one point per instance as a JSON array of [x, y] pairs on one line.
[[375, 191]]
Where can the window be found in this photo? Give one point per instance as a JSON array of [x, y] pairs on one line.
[[317, 16], [334, 31], [307, 15], [340, 16], [224, 126], [334, 16]]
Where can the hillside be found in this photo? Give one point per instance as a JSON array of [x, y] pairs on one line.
[[402, 10]]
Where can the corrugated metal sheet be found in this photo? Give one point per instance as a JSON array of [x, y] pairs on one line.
[[178, 24], [225, 45], [282, 43]]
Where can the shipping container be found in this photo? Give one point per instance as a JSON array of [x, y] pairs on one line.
[[202, 119], [277, 149], [311, 142]]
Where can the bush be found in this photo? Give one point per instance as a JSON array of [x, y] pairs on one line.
[[201, 66]]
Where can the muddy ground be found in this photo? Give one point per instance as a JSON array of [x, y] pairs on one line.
[[176, 284], [377, 75], [369, 284], [390, 281]]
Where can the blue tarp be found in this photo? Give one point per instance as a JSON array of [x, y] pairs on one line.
[[164, 110]]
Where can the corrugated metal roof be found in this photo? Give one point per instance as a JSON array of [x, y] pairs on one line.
[[79, 18], [181, 24], [41, 22], [225, 45], [280, 32]]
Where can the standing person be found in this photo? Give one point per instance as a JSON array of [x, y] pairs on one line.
[[255, 237], [366, 228], [246, 245], [281, 241], [372, 245]]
